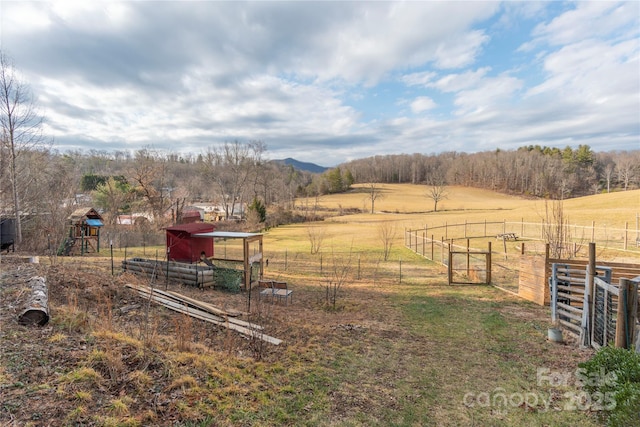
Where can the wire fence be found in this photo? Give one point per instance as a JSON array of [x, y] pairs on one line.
[[614, 238], [345, 266]]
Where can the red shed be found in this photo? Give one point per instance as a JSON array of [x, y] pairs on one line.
[[183, 247]]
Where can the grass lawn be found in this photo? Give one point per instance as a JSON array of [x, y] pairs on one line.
[[399, 348]]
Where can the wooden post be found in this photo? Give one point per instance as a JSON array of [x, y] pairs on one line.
[[546, 264], [522, 248], [504, 226], [465, 228], [423, 239], [450, 266], [587, 316], [504, 244], [468, 257], [522, 227], [441, 250], [488, 266], [485, 228], [432, 244], [627, 311], [626, 234]]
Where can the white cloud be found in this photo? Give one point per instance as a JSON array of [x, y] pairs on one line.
[[460, 81], [321, 81], [422, 103], [590, 19]]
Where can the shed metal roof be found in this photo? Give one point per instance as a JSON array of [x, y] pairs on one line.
[[227, 234]]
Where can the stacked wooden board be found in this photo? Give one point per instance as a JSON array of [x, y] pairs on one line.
[[204, 311], [188, 274]]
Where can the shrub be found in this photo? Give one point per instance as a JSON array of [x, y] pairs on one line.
[[612, 375]]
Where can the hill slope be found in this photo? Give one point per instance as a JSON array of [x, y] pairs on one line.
[[303, 166]]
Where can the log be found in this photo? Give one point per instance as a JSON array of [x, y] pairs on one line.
[[37, 308]]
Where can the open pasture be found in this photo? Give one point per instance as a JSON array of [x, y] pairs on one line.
[[399, 347]]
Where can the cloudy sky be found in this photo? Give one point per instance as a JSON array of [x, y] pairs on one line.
[[327, 82]]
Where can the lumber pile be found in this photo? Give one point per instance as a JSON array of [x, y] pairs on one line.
[[188, 274], [204, 311]]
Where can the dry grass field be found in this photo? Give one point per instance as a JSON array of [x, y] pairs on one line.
[[399, 347]]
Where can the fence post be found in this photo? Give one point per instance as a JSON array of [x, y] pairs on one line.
[[587, 321], [423, 239], [446, 231], [432, 244], [546, 264], [441, 250], [450, 266], [468, 257], [626, 316], [626, 234], [488, 267]]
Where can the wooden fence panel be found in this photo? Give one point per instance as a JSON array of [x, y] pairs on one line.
[[532, 284]]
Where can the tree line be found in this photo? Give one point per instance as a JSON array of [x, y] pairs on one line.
[[529, 171]]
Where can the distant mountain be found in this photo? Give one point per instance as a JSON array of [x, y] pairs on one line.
[[303, 166]]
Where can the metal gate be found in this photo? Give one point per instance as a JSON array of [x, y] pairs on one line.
[[605, 309], [570, 305]]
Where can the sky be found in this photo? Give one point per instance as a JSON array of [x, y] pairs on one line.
[[330, 81]]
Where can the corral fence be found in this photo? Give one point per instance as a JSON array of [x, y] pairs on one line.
[[349, 266], [596, 301], [606, 237], [517, 249]]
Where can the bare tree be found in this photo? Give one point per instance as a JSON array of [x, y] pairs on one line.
[[337, 276], [387, 232], [626, 170], [374, 192], [147, 175], [230, 169], [609, 169], [20, 128], [437, 193], [316, 236], [556, 230]]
